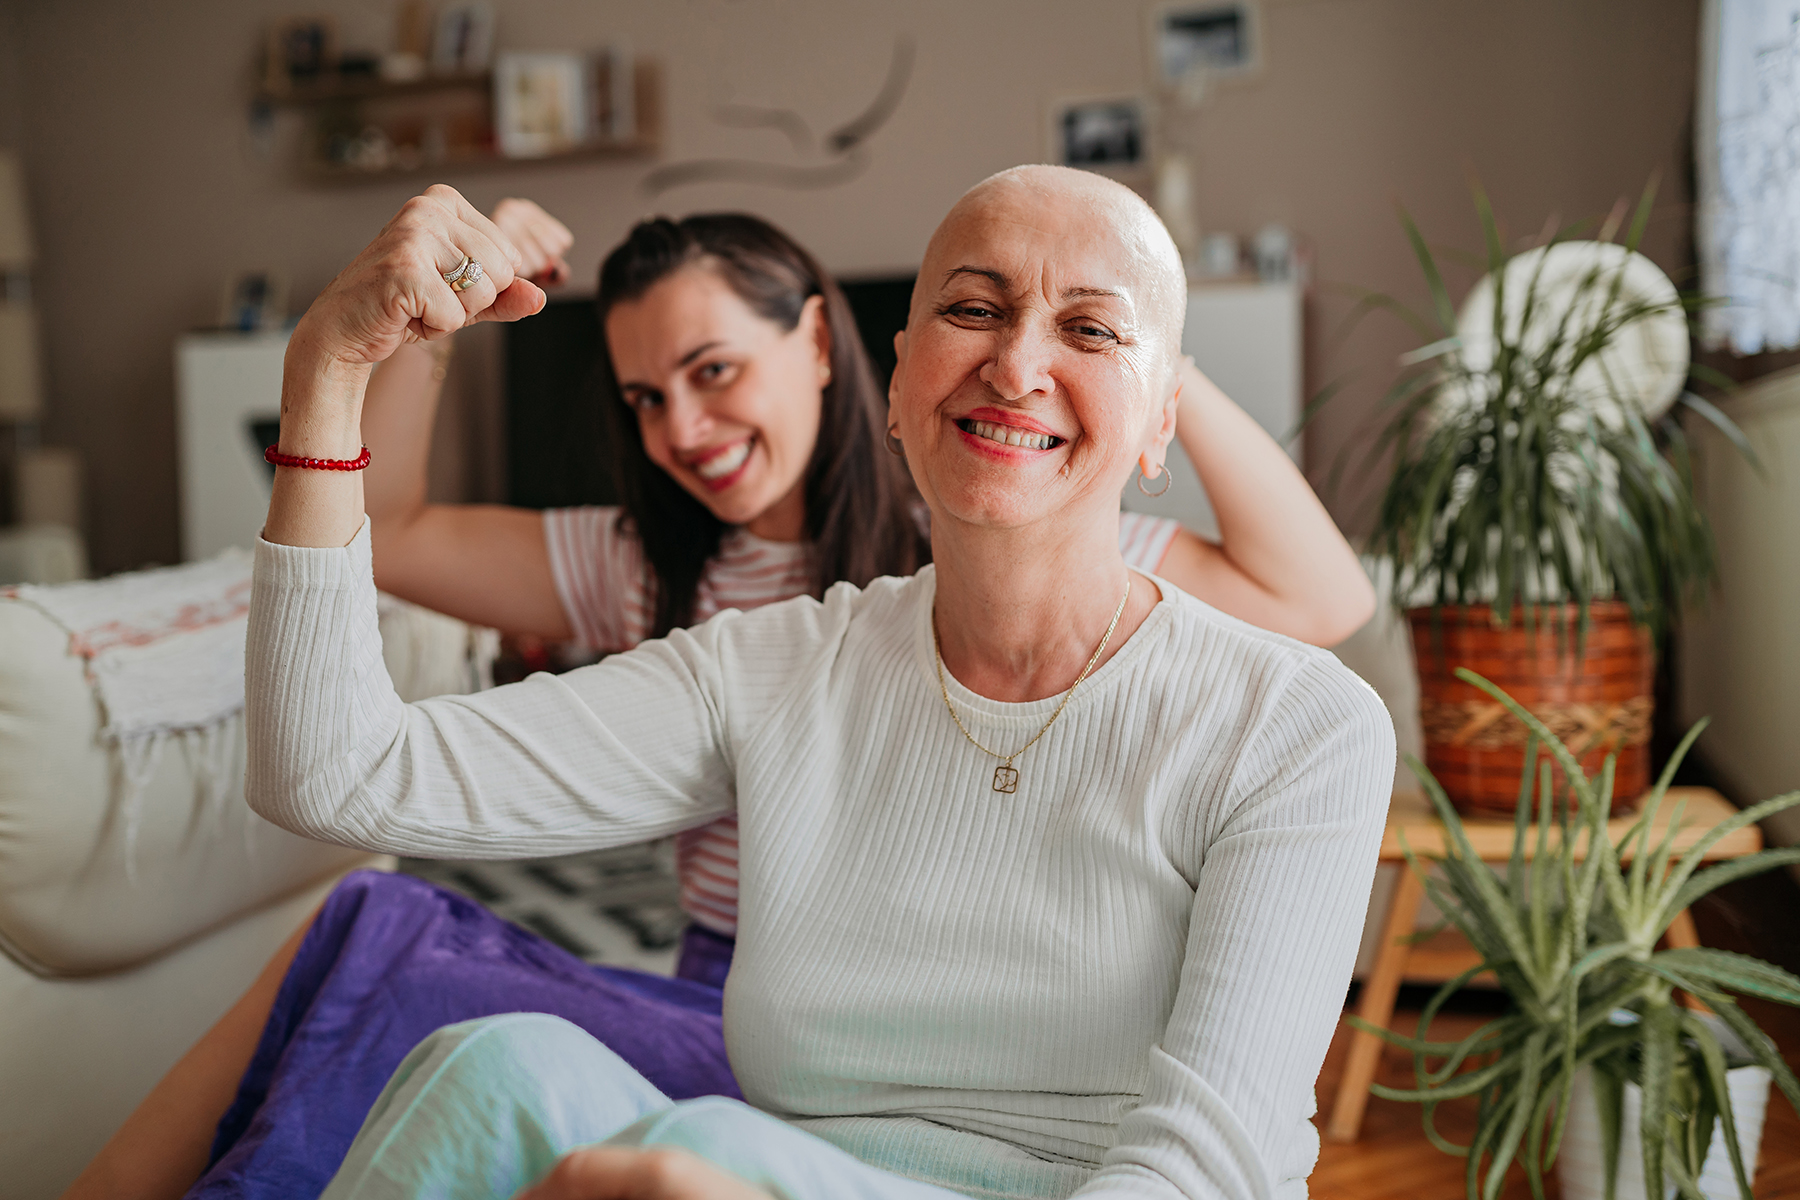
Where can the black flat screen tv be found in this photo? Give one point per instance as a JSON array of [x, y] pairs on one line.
[[556, 451]]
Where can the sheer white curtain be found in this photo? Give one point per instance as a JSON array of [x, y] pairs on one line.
[[1748, 144]]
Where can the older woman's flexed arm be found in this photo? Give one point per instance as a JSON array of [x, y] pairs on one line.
[[404, 286]]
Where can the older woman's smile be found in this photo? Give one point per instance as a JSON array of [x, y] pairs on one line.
[[991, 429]]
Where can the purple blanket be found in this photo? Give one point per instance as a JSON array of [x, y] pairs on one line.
[[391, 958]]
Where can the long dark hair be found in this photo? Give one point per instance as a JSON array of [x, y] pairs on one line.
[[859, 498]]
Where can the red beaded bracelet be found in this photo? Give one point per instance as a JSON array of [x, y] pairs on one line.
[[272, 455]]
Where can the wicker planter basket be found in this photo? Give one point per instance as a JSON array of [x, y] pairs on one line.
[[1601, 702]]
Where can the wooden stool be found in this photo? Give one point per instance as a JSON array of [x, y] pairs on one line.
[[1447, 955]]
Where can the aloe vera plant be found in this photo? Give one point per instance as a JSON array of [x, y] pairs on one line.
[[1507, 488], [1572, 939]]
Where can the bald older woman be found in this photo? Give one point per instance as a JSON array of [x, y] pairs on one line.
[[1051, 875]]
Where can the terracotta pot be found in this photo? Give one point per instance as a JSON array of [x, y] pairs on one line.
[[1596, 704]]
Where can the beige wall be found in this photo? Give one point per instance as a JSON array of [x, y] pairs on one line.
[[150, 191]]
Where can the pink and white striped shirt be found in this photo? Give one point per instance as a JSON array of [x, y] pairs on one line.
[[604, 583]]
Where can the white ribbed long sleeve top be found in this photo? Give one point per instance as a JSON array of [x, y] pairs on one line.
[[1119, 981]]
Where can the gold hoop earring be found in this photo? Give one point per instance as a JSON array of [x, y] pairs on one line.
[[1163, 475], [895, 446]]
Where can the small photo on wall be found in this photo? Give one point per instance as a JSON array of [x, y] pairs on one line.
[[1107, 134], [1213, 38]]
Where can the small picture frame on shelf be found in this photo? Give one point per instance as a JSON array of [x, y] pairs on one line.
[[300, 50], [463, 42], [1106, 134], [542, 103], [254, 302]]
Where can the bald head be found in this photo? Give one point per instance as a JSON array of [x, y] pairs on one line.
[[1083, 207]]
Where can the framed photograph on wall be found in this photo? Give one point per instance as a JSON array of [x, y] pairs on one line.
[[542, 103], [1106, 134], [1204, 39]]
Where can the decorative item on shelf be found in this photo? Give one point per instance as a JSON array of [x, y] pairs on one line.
[[1221, 256], [1273, 251], [1175, 204], [463, 43], [542, 103], [1596, 1025], [1536, 477], [615, 91], [254, 301], [300, 50]]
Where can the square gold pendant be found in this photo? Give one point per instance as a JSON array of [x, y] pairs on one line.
[[1006, 779]]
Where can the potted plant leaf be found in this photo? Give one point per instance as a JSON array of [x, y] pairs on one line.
[[1540, 515], [1570, 931]]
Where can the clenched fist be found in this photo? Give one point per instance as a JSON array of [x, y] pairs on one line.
[[394, 291], [541, 239]]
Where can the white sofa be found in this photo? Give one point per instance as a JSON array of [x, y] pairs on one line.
[[122, 940]]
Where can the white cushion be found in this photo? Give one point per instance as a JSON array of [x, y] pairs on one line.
[[84, 887]]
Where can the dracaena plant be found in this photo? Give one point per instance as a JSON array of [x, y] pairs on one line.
[[1572, 939], [1508, 486]]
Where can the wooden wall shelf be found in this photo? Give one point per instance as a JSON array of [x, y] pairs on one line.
[[337, 88], [324, 97]]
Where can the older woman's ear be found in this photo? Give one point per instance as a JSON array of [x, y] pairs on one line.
[[899, 366], [1171, 404]]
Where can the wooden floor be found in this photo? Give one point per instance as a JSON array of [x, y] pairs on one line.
[[1393, 1161]]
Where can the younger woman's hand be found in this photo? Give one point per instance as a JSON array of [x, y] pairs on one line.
[[626, 1173], [541, 239], [394, 291]]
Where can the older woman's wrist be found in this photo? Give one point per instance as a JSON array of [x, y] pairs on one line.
[[321, 404]]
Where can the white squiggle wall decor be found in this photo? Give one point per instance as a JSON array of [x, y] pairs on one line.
[[840, 156]]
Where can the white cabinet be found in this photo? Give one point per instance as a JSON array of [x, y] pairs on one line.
[[1247, 338], [226, 386]]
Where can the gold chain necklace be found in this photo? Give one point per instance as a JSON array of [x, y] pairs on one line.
[[1006, 777]]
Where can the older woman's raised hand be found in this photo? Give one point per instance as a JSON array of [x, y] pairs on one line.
[[541, 239], [395, 291], [623, 1173]]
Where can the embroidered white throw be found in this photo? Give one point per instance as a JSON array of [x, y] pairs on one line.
[[164, 648], [164, 651]]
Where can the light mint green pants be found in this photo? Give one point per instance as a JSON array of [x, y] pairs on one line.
[[481, 1109]]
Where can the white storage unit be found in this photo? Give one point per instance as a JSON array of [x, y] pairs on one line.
[[225, 383], [1740, 650], [1247, 338]]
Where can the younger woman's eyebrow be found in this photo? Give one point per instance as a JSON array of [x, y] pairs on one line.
[[696, 352]]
